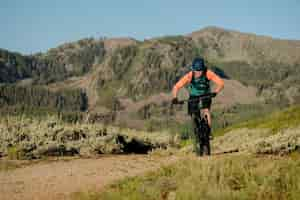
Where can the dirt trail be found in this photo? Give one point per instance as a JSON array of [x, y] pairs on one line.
[[57, 180]]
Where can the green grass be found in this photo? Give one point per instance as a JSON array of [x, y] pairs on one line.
[[14, 153], [224, 117], [275, 121], [234, 177]]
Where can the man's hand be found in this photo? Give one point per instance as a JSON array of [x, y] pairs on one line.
[[175, 100]]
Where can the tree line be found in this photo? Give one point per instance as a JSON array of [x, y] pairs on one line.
[[40, 97], [55, 65]]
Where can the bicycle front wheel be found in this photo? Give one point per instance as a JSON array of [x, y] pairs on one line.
[[204, 138]]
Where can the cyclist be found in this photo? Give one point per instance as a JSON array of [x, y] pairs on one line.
[[198, 81]]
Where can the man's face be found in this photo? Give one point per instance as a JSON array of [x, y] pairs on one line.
[[198, 73]]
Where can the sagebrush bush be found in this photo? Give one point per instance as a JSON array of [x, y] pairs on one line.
[[25, 138]]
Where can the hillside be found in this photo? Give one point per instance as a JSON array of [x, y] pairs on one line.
[[227, 46], [256, 159], [122, 76]]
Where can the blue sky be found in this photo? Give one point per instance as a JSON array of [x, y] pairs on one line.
[[36, 25]]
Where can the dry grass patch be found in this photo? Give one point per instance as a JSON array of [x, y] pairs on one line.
[[227, 177]]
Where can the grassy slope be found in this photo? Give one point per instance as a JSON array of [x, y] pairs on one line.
[[276, 133], [275, 122], [237, 176], [230, 177]]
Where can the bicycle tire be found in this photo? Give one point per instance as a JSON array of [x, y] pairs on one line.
[[196, 140], [204, 138], [201, 134], [205, 134]]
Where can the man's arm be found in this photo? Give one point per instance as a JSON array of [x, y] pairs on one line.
[[182, 82], [216, 79]]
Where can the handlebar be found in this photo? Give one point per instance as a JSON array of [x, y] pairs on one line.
[[201, 97]]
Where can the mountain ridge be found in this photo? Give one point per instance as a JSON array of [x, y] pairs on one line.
[[110, 70], [241, 46], [204, 29]]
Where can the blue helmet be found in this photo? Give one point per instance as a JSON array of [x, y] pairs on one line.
[[198, 64]]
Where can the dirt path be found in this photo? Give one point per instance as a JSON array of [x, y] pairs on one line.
[[56, 180]]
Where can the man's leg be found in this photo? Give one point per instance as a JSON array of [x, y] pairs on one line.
[[206, 112]]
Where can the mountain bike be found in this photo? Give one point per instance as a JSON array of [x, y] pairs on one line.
[[200, 126]]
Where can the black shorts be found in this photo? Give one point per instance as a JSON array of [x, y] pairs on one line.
[[195, 105]]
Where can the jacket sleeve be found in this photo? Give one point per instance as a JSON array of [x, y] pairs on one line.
[[182, 82]]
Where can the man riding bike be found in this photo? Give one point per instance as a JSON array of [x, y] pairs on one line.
[[198, 81]]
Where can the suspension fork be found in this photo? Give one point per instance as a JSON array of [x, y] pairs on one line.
[[196, 118]]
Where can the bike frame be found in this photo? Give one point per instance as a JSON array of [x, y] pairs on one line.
[[200, 125]]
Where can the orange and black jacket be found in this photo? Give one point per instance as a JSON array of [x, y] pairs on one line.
[[193, 83]]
